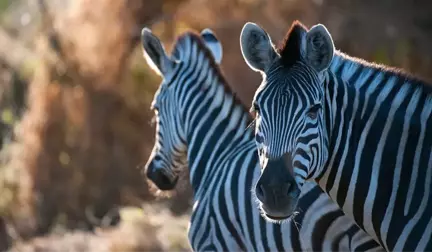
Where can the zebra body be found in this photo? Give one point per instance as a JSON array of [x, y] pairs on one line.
[[201, 125], [361, 130]]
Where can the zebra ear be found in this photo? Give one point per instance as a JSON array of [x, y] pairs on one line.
[[213, 44], [256, 47], [154, 53], [318, 48]]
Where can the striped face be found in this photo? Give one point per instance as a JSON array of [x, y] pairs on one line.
[[289, 119], [169, 155], [290, 102]]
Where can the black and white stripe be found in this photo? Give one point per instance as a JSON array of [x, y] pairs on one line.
[[201, 125], [362, 131]]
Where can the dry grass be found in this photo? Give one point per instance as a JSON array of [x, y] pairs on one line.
[[152, 228]]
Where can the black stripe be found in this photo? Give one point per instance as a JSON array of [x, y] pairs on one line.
[[354, 139], [396, 226]]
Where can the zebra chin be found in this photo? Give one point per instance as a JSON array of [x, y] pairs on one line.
[[278, 215]]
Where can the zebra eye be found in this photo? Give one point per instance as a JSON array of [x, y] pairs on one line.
[[313, 111]]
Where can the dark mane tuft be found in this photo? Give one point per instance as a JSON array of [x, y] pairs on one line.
[[289, 50], [290, 47]]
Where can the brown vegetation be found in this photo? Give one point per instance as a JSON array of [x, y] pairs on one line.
[[137, 232]]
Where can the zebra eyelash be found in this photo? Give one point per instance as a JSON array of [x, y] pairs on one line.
[[252, 124], [253, 112]]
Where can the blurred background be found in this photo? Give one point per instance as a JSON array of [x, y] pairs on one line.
[[74, 105]]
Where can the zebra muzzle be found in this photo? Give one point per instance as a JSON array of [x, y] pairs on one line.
[[277, 189]]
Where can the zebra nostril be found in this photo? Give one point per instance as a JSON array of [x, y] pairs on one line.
[[291, 189]]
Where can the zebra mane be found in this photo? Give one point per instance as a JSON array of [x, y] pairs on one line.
[[197, 39], [289, 50], [400, 73]]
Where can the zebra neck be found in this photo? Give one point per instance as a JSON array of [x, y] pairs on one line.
[[379, 165], [215, 123], [361, 98], [358, 91], [373, 114]]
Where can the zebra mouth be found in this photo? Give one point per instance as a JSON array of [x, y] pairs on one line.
[[276, 215], [278, 218]]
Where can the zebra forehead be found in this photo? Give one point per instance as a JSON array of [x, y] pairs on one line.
[[298, 76]]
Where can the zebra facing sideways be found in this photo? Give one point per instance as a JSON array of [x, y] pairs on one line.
[[362, 131], [201, 126]]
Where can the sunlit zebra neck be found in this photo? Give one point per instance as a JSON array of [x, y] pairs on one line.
[[214, 118]]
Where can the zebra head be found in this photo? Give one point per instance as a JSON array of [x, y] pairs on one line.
[[169, 155], [289, 104]]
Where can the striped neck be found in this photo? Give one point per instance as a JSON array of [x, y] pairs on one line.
[[359, 93], [214, 118], [378, 123], [354, 83], [214, 123]]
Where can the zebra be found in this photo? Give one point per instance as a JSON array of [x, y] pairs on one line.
[[203, 127], [361, 130]]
